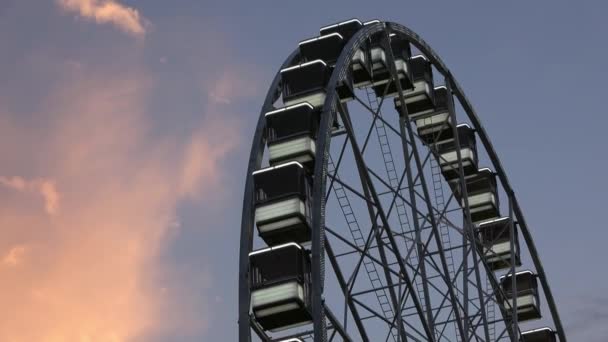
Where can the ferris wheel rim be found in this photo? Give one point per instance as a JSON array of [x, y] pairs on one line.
[[246, 236], [320, 170]]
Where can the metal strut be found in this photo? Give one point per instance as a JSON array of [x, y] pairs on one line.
[[360, 241], [393, 180]]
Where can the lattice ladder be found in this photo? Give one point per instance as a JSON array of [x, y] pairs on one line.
[[443, 227], [393, 180], [359, 241], [491, 313]]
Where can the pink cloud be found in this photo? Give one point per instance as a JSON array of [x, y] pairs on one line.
[[82, 266], [46, 188], [236, 82], [91, 182], [111, 12], [14, 256]]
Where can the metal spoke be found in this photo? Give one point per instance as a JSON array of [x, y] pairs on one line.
[[369, 188], [404, 123]]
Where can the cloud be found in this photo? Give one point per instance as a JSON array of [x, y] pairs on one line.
[[110, 173], [233, 83], [14, 257], [46, 188], [112, 12], [90, 204]]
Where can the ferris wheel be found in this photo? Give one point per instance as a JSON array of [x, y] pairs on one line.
[[376, 208]]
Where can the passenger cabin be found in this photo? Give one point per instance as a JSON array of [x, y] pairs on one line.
[[282, 203], [361, 67], [379, 62], [401, 54], [495, 237], [361, 62], [434, 125], [419, 98], [291, 134], [482, 195], [280, 286], [369, 57], [305, 82], [526, 294], [538, 335], [377, 56], [327, 48], [346, 29], [447, 152]]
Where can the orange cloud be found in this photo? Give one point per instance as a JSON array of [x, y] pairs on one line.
[[14, 256], [236, 82], [82, 267], [45, 188], [107, 12]]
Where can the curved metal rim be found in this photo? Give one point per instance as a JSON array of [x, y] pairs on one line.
[[320, 174], [483, 136], [247, 219]]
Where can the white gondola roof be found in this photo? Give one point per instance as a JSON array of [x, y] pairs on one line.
[[340, 23], [420, 56], [265, 250], [519, 273], [277, 167], [537, 330], [321, 37], [371, 22], [280, 110], [316, 61], [291, 340], [486, 170], [489, 222], [463, 125], [441, 87]]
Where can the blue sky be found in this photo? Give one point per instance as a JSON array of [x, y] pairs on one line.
[[195, 73]]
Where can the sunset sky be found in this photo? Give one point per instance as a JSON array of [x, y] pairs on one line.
[[125, 126]]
